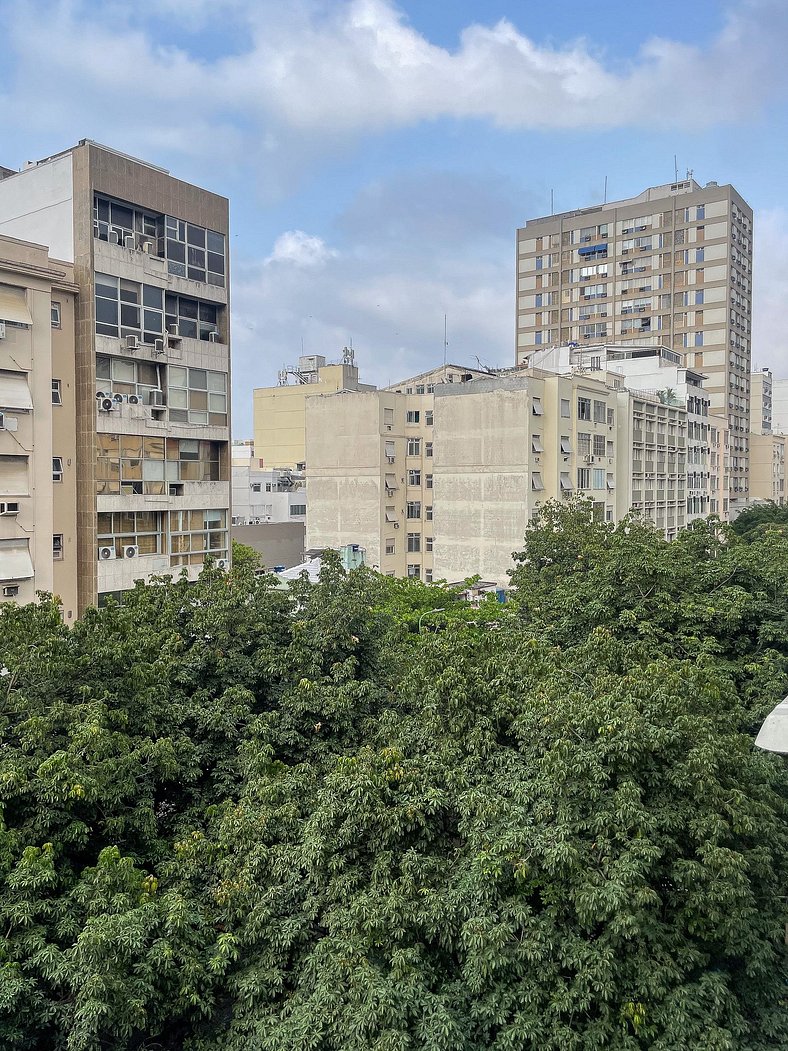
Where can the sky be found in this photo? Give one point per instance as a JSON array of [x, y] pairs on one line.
[[379, 156]]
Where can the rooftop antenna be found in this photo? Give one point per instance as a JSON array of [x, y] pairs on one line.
[[675, 168], [605, 200], [690, 174], [445, 338], [552, 203]]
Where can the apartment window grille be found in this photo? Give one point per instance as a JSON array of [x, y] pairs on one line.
[[419, 388], [584, 443], [583, 478], [600, 410], [428, 513], [584, 408], [611, 417], [599, 478], [391, 546], [428, 576], [599, 445]]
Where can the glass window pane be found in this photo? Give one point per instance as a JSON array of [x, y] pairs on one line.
[[154, 448], [122, 216], [196, 235], [131, 445], [178, 376], [198, 379], [152, 321], [217, 402], [189, 449], [129, 316], [217, 381], [198, 399], [106, 286], [153, 470], [216, 242], [178, 398], [107, 311], [124, 370], [176, 251], [216, 263], [187, 329], [151, 296], [109, 444], [208, 313], [199, 418], [147, 373], [102, 367], [188, 307]]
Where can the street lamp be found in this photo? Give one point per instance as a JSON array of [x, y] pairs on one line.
[[773, 734], [426, 613]]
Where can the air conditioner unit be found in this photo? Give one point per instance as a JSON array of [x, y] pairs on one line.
[[130, 551], [113, 237], [213, 337], [128, 241], [135, 399], [100, 395], [9, 508], [158, 346], [106, 554], [132, 342], [222, 563], [589, 459], [156, 397], [107, 405], [117, 398], [2, 329], [395, 524], [172, 330], [10, 591], [390, 459]]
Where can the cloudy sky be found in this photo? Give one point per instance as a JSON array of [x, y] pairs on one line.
[[379, 156]]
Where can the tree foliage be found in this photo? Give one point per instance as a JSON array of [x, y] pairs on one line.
[[239, 817]]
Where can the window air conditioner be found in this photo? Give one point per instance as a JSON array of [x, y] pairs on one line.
[[107, 405], [130, 551], [106, 554], [222, 563], [113, 237], [128, 241], [132, 342], [156, 397], [172, 330], [158, 346], [9, 508], [10, 591]]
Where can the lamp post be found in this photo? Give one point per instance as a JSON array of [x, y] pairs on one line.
[[426, 613], [773, 734]]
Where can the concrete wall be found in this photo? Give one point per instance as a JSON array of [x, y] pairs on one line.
[[279, 543], [36, 205]]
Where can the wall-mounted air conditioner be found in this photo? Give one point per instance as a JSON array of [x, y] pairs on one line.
[[158, 346], [106, 554], [156, 398], [117, 398], [10, 591], [130, 551], [222, 563], [132, 342], [128, 241], [9, 507], [107, 404], [135, 399]]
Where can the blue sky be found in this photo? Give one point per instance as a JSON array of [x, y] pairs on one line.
[[379, 156]]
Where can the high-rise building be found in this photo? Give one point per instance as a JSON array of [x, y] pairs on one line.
[[279, 412], [152, 361], [671, 266], [38, 474], [761, 402]]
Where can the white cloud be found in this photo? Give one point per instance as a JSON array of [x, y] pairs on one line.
[[770, 291], [296, 248]]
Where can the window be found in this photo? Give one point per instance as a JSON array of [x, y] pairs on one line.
[[428, 576], [190, 318], [428, 543], [584, 443], [391, 546], [55, 314], [428, 481], [414, 446], [412, 416], [584, 408], [536, 481], [610, 449], [57, 396], [428, 449], [611, 417], [566, 445], [599, 445], [128, 375], [140, 529], [536, 407], [565, 410], [429, 415], [414, 476], [197, 396], [388, 418], [599, 478], [414, 570], [128, 464], [414, 542], [419, 388], [413, 509], [566, 481], [583, 478], [430, 388], [536, 443], [297, 510], [599, 412], [195, 534], [428, 513], [57, 547], [57, 468]]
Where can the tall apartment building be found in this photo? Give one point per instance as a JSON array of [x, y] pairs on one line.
[[671, 266], [767, 442], [279, 412], [149, 256], [761, 384], [438, 477], [38, 507]]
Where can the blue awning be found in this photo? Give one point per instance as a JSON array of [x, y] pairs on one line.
[[592, 249]]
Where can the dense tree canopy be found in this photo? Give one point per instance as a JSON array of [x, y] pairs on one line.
[[238, 817]]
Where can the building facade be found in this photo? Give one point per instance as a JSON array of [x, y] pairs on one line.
[[672, 266], [150, 260], [767, 467], [761, 387], [280, 412], [261, 496], [38, 507]]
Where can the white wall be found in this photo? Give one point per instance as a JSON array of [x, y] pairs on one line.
[[37, 205]]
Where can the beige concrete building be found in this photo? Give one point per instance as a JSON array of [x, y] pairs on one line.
[[150, 260], [779, 406], [38, 523], [438, 477], [761, 386], [767, 467], [280, 412], [671, 266]]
